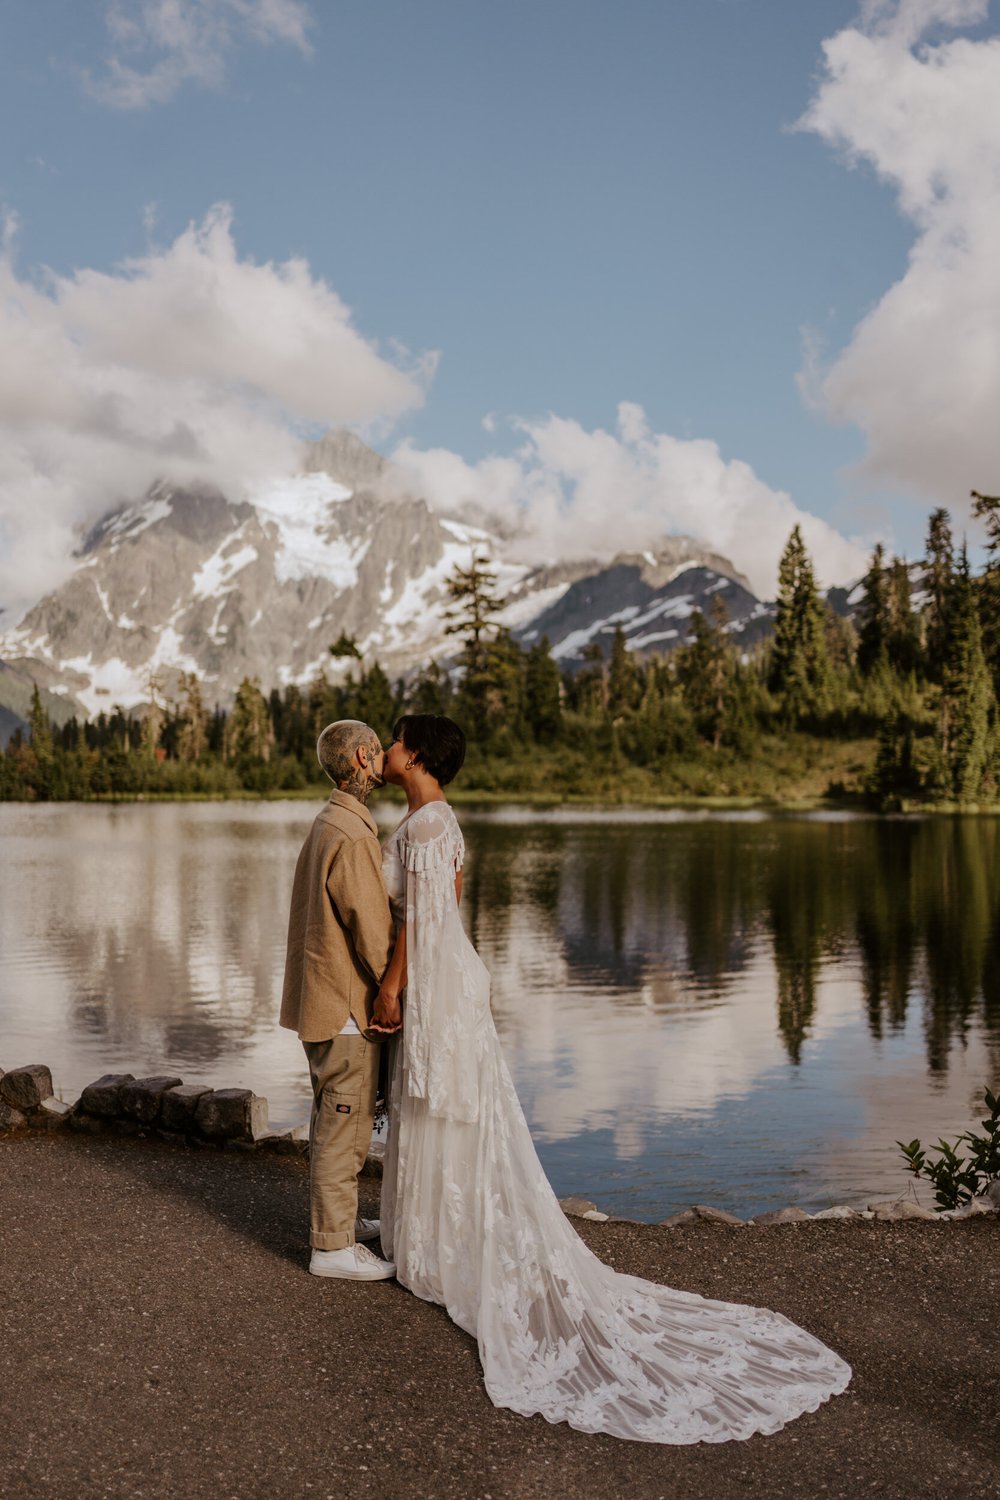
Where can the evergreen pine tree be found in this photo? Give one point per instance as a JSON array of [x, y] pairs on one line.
[[295, 737], [623, 678], [785, 642], [987, 508], [39, 763], [894, 775], [705, 669], [504, 680], [345, 646], [376, 702], [542, 693], [799, 666], [936, 583], [249, 737], [472, 616], [902, 639], [39, 726], [967, 699], [431, 693], [873, 635], [591, 682]]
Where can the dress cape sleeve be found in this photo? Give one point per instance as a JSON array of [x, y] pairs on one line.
[[441, 1013], [431, 840]]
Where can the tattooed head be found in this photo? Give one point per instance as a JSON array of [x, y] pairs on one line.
[[350, 753]]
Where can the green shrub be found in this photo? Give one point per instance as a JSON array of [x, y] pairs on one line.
[[958, 1179]]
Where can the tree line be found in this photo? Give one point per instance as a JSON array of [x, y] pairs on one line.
[[912, 687]]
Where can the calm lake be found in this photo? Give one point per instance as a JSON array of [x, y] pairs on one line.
[[746, 1009]]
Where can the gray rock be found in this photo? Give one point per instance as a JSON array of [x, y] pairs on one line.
[[992, 1193], [901, 1208], [782, 1216], [839, 1211], [686, 1216], [179, 1105], [11, 1118], [52, 1113], [577, 1208], [231, 1114], [25, 1088], [140, 1099], [972, 1209], [85, 1124], [714, 1215], [103, 1096]]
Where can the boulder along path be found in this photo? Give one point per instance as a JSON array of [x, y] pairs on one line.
[[160, 1336]]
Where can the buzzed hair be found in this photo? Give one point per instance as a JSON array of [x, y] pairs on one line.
[[336, 747]]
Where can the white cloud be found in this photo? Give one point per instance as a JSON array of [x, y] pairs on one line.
[[569, 493], [921, 374], [189, 362], [159, 45]]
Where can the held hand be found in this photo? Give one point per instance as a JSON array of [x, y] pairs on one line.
[[387, 1016]]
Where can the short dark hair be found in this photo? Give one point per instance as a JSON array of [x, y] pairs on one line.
[[436, 741]]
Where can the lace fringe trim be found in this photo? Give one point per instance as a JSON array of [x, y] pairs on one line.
[[434, 855]]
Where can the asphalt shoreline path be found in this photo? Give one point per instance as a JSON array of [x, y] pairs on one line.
[[160, 1337]]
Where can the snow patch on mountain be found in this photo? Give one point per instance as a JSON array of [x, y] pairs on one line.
[[298, 509], [573, 644], [216, 574], [135, 519], [529, 606]]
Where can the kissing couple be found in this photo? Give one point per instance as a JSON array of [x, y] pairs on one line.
[[378, 955]]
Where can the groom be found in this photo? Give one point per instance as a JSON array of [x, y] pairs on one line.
[[339, 945]]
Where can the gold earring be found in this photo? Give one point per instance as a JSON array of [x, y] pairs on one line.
[[410, 764]]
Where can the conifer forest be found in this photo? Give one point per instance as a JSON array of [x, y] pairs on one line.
[[895, 708]]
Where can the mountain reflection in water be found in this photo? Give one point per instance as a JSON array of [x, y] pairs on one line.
[[745, 1010]]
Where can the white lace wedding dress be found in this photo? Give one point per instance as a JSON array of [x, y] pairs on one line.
[[472, 1223]]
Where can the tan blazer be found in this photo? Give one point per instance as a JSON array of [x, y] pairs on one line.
[[339, 928]]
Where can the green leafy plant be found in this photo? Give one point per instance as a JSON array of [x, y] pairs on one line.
[[959, 1178]]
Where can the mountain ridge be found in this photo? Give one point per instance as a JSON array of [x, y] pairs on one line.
[[188, 580]]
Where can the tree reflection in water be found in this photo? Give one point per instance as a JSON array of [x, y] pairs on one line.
[[914, 903], [648, 972]]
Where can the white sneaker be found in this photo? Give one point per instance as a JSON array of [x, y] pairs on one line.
[[353, 1263], [367, 1230]]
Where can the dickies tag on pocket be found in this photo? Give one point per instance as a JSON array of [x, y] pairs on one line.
[[343, 1109]]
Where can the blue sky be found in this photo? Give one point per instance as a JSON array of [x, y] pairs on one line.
[[572, 204]]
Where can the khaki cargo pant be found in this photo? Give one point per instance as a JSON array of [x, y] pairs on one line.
[[344, 1073]]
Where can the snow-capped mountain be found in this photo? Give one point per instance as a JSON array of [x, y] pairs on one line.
[[186, 580], [651, 597]]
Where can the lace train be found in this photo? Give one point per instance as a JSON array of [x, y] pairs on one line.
[[473, 1224]]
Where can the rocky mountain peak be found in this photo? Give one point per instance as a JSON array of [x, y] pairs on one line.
[[348, 460], [187, 580]]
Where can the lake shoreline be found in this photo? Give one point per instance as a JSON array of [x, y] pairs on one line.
[[162, 1108], [740, 1008], [543, 801]]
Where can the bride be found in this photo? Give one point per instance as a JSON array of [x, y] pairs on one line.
[[472, 1223]]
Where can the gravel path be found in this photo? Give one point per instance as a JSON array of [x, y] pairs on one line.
[[159, 1337]]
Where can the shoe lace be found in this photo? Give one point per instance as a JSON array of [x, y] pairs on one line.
[[362, 1252]]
